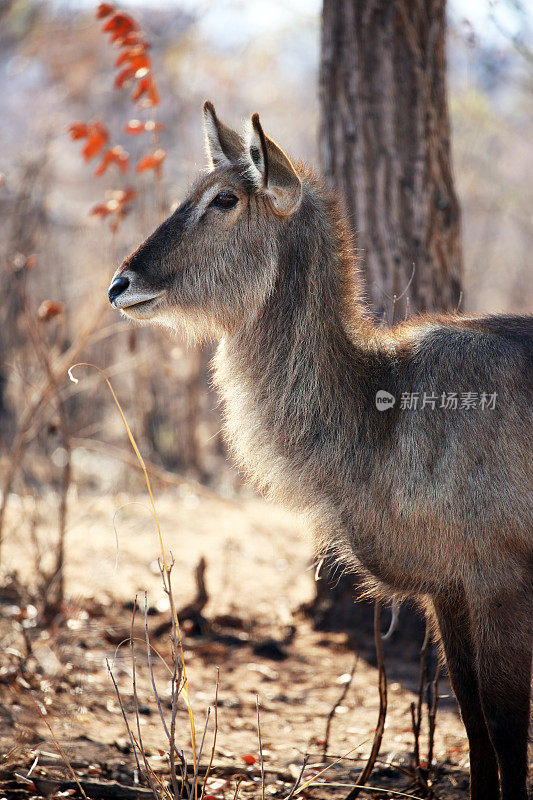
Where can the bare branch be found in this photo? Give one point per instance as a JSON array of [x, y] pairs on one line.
[[208, 770], [335, 706], [369, 766], [260, 749]]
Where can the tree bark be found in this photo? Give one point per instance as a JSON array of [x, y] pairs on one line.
[[385, 148]]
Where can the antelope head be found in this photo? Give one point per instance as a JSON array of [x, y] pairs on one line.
[[213, 263]]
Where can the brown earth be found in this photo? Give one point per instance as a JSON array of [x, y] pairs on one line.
[[257, 577]]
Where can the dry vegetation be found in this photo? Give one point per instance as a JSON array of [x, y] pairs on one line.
[[78, 539]]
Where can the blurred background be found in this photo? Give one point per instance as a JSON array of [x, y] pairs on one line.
[[57, 68], [68, 479], [68, 218]]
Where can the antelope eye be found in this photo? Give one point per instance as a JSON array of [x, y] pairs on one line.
[[224, 200]]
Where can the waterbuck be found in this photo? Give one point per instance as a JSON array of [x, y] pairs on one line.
[[409, 449]]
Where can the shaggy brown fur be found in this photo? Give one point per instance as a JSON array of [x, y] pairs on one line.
[[434, 503]]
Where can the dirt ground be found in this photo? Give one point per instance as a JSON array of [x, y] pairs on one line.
[[258, 575]]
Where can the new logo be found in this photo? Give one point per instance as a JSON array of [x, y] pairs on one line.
[[384, 400]]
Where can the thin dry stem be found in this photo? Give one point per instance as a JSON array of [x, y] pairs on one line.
[[200, 751], [378, 736], [42, 353], [184, 686], [260, 749], [298, 779], [36, 408], [432, 718], [322, 771], [335, 706], [208, 770], [128, 729], [173, 750], [416, 714], [62, 753], [239, 781]]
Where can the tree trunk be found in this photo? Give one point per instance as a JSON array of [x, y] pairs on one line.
[[385, 148]]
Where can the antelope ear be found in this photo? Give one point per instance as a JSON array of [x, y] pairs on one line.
[[272, 172], [224, 146]]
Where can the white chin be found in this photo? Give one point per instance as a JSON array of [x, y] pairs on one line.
[[145, 310], [193, 324]]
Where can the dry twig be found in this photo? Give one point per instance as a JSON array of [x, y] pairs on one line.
[[335, 706], [32, 416], [62, 752], [369, 766], [208, 770], [260, 749]]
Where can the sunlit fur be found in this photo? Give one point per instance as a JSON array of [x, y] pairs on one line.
[[435, 504]]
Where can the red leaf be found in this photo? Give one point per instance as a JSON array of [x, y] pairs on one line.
[[141, 88], [122, 58], [135, 126], [94, 146], [137, 59], [78, 130], [249, 759], [133, 52], [104, 10], [115, 155], [97, 137], [95, 133], [124, 196], [119, 26], [146, 86], [153, 161], [150, 126], [116, 204], [100, 210], [120, 21], [153, 95], [133, 39], [141, 64], [49, 309], [124, 76]]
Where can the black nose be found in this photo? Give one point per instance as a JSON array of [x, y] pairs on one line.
[[119, 285]]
